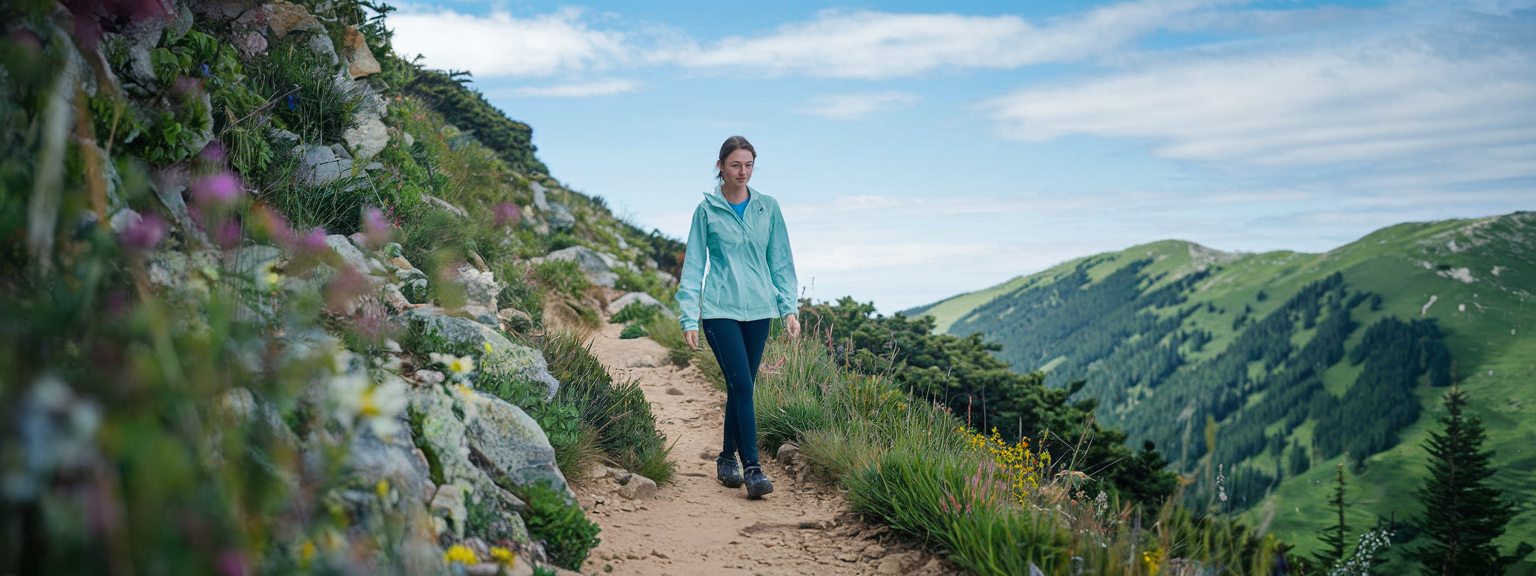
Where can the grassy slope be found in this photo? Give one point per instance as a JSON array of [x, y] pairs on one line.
[[1490, 326]]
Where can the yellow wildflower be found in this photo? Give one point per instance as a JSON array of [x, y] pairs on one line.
[[503, 556], [460, 554], [383, 489], [306, 554]]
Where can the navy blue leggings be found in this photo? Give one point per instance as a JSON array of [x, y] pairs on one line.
[[738, 347]]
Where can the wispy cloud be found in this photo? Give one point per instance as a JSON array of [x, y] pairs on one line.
[[1453, 98], [867, 44], [577, 89], [501, 45], [860, 105]]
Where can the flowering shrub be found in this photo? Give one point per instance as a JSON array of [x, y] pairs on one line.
[[1018, 467]]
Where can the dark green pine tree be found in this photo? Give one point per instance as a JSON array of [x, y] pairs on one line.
[[1335, 536], [1462, 514]]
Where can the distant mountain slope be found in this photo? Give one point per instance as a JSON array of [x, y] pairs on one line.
[[1298, 358]]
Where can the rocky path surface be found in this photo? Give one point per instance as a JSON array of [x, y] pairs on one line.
[[696, 526]]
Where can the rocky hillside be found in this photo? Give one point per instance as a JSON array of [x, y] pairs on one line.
[[1293, 361], [265, 309]]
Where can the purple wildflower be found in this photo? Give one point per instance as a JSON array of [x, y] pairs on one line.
[[314, 242], [144, 233], [507, 214], [228, 235], [213, 153], [221, 189], [376, 229]]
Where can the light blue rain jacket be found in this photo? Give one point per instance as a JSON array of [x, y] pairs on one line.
[[751, 269]]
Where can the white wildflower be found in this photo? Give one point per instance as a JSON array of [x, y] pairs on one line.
[[376, 404], [457, 368]]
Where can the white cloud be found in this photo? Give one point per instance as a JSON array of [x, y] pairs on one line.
[[578, 89], [502, 45], [1418, 101], [845, 257], [860, 105], [866, 44]]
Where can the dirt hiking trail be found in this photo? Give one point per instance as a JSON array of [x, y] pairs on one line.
[[695, 526]]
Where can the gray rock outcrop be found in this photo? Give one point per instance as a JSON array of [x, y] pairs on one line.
[[640, 298], [591, 262], [518, 361], [513, 444], [318, 166]]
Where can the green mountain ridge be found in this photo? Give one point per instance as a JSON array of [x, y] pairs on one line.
[[1298, 358]]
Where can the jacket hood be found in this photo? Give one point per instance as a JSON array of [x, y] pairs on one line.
[[717, 197]]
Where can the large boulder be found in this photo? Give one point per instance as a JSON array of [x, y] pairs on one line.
[[496, 351], [440, 422], [513, 445], [591, 263]]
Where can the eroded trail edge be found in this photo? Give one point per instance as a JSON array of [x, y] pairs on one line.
[[696, 526]]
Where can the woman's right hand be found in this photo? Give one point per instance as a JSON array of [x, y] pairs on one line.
[[692, 337]]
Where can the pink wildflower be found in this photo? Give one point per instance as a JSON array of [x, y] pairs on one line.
[[341, 294], [213, 153], [507, 214], [228, 235], [376, 229], [221, 189], [144, 233], [313, 243]]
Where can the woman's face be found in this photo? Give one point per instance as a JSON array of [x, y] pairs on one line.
[[737, 168]]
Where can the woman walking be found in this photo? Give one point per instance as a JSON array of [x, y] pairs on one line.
[[740, 234]]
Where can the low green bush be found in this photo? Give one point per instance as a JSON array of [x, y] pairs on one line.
[[567, 533], [562, 276], [631, 281], [636, 313], [632, 331], [626, 428]]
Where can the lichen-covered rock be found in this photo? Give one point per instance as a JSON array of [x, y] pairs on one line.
[[442, 434], [498, 354], [394, 460], [513, 444]]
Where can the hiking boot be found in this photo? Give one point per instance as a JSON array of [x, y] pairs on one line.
[[725, 471], [757, 483]]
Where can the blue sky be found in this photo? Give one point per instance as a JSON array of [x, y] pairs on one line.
[[924, 149]]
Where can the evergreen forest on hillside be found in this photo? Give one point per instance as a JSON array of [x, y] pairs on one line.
[[1269, 366]]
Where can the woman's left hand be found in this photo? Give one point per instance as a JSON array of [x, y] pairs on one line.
[[792, 324]]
